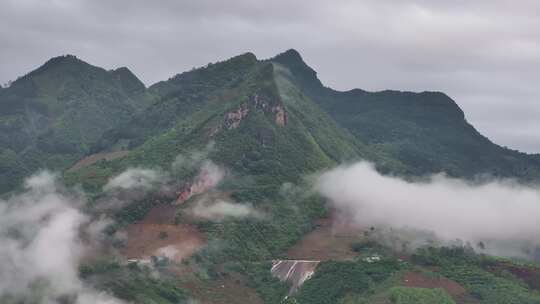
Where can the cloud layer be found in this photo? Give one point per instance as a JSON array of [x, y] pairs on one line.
[[135, 178], [218, 210], [41, 248], [501, 214]]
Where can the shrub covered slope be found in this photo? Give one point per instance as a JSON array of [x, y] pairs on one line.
[[271, 124]]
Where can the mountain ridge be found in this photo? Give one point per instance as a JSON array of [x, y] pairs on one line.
[[267, 127], [395, 124], [51, 116], [412, 126]]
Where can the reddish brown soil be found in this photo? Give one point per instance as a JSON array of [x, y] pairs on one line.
[[529, 275], [415, 279], [145, 240], [160, 214], [87, 161], [157, 234], [202, 183], [331, 240]]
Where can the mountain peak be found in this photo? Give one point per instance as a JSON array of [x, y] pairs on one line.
[[303, 72], [66, 57], [62, 60], [246, 55], [247, 58], [290, 57], [130, 83], [290, 54]]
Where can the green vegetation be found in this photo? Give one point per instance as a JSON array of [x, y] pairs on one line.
[[52, 116], [270, 289], [132, 283], [470, 270], [426, 132], [272, 156], [273, 124], [405, 295], [334, 280], [381, 282], [255, 240]]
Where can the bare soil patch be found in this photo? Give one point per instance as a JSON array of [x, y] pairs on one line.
[[331, 240], [528, 274], [531, 276], [158, 235], [415, 279], [160, 214], [91, 159]]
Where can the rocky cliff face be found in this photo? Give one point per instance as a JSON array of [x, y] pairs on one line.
[[256, 102], [209, 176]]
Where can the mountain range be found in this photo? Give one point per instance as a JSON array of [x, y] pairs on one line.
[[270, 124], [67, 109]]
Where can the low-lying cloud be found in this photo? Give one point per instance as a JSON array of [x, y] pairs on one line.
[[135, 178], [218, 210], [41, 247], [210, 175], [192, 159], [501, 214]]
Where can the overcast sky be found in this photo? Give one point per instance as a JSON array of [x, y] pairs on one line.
[[484, 53]]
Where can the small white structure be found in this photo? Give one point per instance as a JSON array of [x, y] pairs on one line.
[[372, 259]]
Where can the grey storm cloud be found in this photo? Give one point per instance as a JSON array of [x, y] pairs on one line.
[[484, 54]]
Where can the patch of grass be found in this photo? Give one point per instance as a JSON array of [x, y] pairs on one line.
[[335, 280], [467, 268], [409, 295], [132, 283]]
